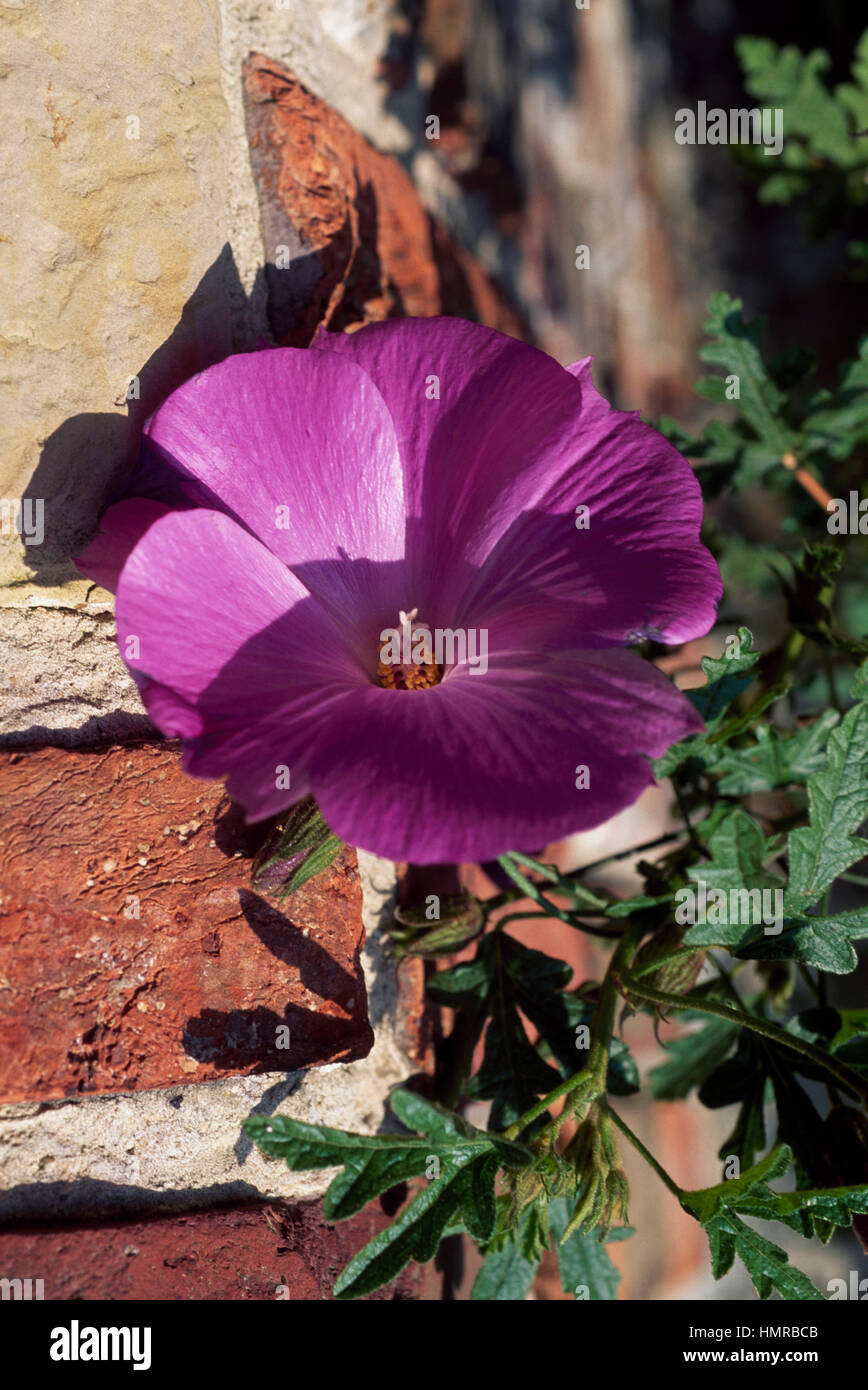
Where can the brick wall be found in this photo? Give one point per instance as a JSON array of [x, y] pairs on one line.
[[149, 999], [144, 987]]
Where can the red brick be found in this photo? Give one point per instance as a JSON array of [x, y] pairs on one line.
[[195, 988], [363, 245], [226, 1253]]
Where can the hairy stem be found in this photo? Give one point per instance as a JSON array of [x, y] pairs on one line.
[[630, 985], [532, 891], [589, 1083], [640, 1148]]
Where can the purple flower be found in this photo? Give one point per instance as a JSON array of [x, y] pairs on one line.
[[293, 506]]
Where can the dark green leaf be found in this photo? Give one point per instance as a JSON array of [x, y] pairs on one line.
[[690, 1059], [298, 850], [415, 1234], [718, 1208], [727, 677], [583, 1261], [821, 941]]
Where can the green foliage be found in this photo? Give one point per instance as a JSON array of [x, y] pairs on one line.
[[465, 1161], [691, 1058], [585, 1267], [720, 1209], [770, 798], [774, 416], [824, 154], [726, 678], [821, 851], [773, 759]]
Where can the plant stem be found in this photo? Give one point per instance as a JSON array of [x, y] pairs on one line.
[[532, 891], [510, 895], [810, 981], [682, 806], [853, 1082], [640, 1148], [626, 853], [591, 1079], [518, 917], [806, 480]]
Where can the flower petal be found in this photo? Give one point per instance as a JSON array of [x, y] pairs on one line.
[[496, 468], [236, 655], [121, 527], [300, 448], [481, 763], [479, 418]]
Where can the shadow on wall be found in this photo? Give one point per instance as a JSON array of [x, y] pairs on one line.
[[85, 461], [34, 1203], [86, 458]]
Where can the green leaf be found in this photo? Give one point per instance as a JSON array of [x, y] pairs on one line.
[[513, 1255], [303, 847], [738, 852], [373, 1164], [583, 1262], [428, 1118], [773, 759], [478, 1198], [512, 1074], [735, 346], [766, 1263], [628, 907], [810, 590], [798, 1210], [705, 1202], [460, 1161], [464, 985], [506, 1275], [717, 1209], [822, 150], [838, 803], [727, 677], [691, 1058], [820, 941], [415, 1234], [748, 1136], [837, 421]]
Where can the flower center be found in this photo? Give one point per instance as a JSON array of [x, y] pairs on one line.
[[407, 656]]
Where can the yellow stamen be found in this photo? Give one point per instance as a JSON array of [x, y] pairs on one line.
[[408, 675]]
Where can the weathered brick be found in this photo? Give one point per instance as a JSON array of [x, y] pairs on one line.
[[93, 998], [360, 243], [263, 1253]]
